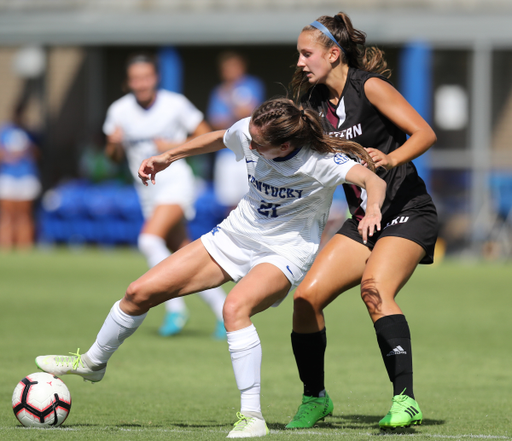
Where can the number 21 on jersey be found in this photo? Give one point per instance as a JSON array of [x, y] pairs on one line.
[[268, 209]]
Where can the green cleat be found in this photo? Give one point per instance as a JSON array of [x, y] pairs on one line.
[[312, 410], [404, 412]]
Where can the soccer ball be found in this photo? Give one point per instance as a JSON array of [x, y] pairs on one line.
[[41, 400]]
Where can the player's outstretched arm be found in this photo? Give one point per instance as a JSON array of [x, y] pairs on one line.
[[376, 190], [162, 145], [207, 143], [114, 146]]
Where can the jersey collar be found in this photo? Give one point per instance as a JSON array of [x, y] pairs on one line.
[[289, 156]]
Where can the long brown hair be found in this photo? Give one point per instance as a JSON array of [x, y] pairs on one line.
[[355, 53], [280, 120]]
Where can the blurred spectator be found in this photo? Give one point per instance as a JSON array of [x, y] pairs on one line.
[[233, 99], [144, 123], [19, 185]]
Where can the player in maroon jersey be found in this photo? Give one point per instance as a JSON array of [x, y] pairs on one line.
[[346, 82]]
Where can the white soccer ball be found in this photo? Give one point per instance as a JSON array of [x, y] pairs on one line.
[[41, 400]]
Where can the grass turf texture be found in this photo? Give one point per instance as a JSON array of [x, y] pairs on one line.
[[182, 388]]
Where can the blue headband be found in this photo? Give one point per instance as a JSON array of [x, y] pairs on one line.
[[326, 32]]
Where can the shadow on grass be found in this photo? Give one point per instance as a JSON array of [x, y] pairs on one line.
[[198, 426], [276, 426], [369, 422], [113, 426], [187, 333], [360, 422]]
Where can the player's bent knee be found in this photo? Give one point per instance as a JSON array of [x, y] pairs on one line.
[[136, 297], [233, 311], [304, 303], [302, 292], [230, 311], [302, 308]]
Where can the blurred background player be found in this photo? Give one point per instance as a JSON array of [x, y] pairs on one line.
[[19, 185], [234, 98], [143, 123]]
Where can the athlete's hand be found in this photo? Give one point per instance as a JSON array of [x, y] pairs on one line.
[[380, 159], [151, 166], [116, 137], [369, 224]]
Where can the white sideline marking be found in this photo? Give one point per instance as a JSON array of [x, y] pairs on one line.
[[330, 433]]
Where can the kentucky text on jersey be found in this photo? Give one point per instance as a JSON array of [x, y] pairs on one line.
[[275, 192], [135, 141], [349, 133]]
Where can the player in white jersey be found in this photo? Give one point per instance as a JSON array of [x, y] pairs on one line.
[[141, 124], [266, 244]]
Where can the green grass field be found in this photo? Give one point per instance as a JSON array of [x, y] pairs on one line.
[[183, 388]]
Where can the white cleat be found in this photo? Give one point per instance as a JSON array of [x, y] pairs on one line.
[[247, 427], [77, 364]]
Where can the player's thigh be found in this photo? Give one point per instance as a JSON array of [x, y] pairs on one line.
[[264, 285], [391, 264], [7, 207], [23, 210], [189, 270], [163, 219], [25, 207], [337, 268]]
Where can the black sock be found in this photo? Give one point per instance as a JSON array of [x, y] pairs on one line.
[[394, 340], [309, 351]]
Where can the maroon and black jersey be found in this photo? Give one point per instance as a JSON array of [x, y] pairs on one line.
[[356, 119]]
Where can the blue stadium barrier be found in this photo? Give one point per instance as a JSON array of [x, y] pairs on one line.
[[416, 79], [501, 190], [79, 212]]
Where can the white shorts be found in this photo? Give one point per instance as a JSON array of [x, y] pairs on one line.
[[174, 186], [237, 256], [25, 188]]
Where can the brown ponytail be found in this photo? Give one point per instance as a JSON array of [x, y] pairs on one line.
[[280, 120]]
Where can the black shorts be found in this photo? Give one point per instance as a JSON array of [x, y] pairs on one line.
[[417, 224]]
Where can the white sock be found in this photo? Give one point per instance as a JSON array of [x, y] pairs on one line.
[[153, 247], [245, 350], [116, 328], [214, 297], [155, 250]]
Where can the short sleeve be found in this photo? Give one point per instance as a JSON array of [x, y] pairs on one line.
[[238, 136], [332, 169], [109, 126]]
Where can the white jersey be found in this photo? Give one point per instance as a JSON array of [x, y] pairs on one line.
[[289, 198], [172, 117]]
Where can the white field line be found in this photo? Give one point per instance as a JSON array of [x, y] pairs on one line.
[[333, 433]]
